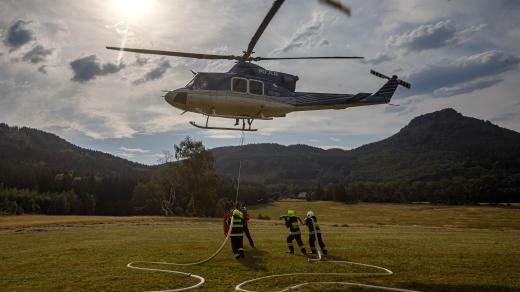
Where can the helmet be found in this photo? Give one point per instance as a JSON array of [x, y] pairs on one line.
[[244, 209], [291, 213], [238, 213], [310, 214]]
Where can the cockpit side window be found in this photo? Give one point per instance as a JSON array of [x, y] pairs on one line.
[[239, 84], [256, 87]]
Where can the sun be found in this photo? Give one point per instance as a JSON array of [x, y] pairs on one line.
[[132, 9]]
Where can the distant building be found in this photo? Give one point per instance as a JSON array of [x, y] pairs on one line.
[[304, 196]]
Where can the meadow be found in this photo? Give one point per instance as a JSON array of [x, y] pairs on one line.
[[428, 247]]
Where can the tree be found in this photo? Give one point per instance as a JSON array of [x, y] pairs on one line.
[[166, 182], [318, 193], [339, 193], [196, 171]]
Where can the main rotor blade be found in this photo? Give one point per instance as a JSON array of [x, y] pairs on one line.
[[337, 4], [303, 58], [177, 54], [261, 28]]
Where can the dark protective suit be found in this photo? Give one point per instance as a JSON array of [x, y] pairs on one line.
[[294, 233], [313, 234], [237, 236], [246, 230]]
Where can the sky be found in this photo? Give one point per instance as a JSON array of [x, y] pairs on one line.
[[57, 76]]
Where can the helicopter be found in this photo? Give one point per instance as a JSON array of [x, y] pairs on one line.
[[249, 92]]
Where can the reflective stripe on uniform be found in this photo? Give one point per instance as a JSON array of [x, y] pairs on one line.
[[314, 232], [236, 234], [290, 244], [238, 225]]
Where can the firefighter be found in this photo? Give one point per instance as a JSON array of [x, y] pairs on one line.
[[237, 233], [228, 210], [246, 226], [291, 222], [313, 234], [227, 217]]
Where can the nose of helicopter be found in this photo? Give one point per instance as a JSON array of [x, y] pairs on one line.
[[169, 96], [176, 98]]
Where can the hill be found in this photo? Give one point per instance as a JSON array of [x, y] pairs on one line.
[[278, 164], [438, 145], [30, 148], [433, 146]]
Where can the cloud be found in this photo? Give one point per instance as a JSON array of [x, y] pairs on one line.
[[141, 61], [37, 54], [87, 68], [42, 69], [378, 59], [504, 117], [18, 35], [328, 147], [432, 36], [133, 150], [467, 87], [462, 75], [154, 74], [307, 36]]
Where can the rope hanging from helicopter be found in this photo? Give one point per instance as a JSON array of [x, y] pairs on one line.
[[242, 141]]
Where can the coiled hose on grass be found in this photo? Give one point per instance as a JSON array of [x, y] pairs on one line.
[[319, 259]]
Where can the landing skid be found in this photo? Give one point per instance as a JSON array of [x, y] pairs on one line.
[[243, 128], [222, 128]]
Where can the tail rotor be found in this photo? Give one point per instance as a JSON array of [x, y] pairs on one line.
[[394, 77]]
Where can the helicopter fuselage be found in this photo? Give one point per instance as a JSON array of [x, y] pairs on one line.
[[259, 94]]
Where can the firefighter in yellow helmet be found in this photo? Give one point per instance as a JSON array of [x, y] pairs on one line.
[[291, 222], [237, 233]]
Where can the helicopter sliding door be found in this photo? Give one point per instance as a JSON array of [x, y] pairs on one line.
[[238, 100]]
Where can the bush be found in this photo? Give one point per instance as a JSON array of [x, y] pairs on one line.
[[262, 217]]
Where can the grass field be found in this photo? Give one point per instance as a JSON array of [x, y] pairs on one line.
[[429, 248]]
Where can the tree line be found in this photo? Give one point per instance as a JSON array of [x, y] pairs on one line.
[[185, 184], [458, 190]]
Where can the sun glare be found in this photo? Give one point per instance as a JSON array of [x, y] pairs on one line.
[[132, 9]]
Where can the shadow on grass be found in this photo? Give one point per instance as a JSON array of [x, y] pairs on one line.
[[456, 287], [254, 259], [335, 258]]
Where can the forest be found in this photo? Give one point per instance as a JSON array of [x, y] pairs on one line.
[[439, 158]]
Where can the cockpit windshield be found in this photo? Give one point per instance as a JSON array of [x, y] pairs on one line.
[[201, 82], [190, 84]]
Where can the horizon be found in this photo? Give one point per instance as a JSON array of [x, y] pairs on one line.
[[159, 160], [456, 54]]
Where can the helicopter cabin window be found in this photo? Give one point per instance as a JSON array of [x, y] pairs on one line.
[[239, 84], [256, 87]]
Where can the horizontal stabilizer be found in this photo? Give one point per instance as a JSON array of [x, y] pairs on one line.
[[360, 96]]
